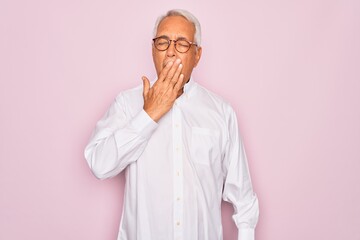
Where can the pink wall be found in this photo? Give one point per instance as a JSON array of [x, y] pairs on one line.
[[289, 68]]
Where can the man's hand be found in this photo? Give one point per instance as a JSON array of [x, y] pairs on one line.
[[159, 99]]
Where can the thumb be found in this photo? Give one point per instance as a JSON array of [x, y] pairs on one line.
[[146, 86]]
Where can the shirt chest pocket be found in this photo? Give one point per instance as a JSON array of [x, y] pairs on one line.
[[205, 145]]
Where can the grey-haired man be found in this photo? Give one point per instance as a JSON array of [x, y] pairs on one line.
[[179, 145]]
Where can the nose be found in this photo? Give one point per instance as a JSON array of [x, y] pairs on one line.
[[171, 52]]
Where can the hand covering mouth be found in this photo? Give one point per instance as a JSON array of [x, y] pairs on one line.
[[167, 61]]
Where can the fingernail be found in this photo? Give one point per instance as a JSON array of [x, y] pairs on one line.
[[180, 66], [178, 60], [170, 63]]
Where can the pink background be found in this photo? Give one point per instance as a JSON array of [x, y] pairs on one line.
[[291, 69]]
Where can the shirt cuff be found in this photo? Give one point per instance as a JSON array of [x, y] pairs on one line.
[[246, 234], [143, 124]]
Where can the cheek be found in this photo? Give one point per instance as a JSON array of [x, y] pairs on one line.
[[188, 65], [158, 61]]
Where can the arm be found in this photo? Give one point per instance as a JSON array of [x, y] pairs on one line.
[[237, 187], [117, 140]]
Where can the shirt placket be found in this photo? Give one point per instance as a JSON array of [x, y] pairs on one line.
[[177, 173]]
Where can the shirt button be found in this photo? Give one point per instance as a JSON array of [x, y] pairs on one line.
[[178, 199], [178, 223], [176, 125]]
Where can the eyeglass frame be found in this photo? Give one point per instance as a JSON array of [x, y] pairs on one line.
[[172, 40]]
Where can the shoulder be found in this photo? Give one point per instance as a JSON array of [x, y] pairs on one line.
[[130, 100], [130, 93], [214, 99]]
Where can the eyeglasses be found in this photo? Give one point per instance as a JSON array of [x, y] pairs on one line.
[[181, 45]]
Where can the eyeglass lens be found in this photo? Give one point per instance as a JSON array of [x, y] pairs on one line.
[[163, 44]]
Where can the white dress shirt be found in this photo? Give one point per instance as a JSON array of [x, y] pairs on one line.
[[177, 170]]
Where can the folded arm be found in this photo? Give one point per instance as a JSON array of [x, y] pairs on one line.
[[118, 140]]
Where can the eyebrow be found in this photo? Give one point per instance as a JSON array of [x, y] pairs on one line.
[[179, 38]]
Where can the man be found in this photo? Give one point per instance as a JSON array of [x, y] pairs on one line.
[[179, 146]]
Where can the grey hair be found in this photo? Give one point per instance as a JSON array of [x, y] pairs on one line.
[[183, 13]]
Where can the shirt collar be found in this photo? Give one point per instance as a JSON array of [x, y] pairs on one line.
[[189, 86]]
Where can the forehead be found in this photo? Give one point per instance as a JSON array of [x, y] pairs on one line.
[[176, 26]]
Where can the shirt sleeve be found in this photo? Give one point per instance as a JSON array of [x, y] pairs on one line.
[[118, 140], [237, 186]]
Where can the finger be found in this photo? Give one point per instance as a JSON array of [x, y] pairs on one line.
[[180, 83], [165, 71], [176, 75], [146, 86], [172, 71]]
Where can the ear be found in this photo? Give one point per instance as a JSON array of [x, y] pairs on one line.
[[197, 55]]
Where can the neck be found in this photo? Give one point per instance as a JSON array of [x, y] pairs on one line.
[[181, 91]]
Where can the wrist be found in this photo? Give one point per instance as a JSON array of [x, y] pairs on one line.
[[153, 114]]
